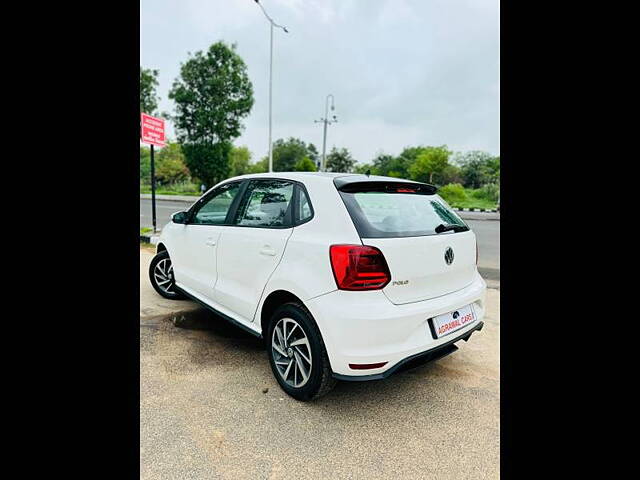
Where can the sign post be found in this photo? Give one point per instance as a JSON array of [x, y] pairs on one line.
[[152, 132], [153, 190]]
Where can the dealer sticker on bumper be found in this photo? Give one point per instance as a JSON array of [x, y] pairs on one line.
[[452, 321]]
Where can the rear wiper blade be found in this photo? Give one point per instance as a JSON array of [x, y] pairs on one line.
[[447, 227]]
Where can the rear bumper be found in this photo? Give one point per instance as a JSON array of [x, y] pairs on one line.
[[414, 360], [366, 328]]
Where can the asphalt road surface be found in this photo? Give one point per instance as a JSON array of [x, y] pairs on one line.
[[487, 232], [210, 407]]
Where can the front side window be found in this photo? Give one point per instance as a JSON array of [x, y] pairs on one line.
[[214, 209], [267, 203]]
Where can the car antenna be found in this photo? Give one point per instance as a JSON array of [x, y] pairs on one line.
[[368, 172]]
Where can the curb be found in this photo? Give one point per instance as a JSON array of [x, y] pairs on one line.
[[171, 198], [152, 239], [486, 210]]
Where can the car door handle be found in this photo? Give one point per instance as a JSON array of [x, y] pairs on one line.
[[267, 250], [211, 242]]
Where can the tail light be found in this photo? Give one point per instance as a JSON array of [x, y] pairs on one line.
[[359, 267]]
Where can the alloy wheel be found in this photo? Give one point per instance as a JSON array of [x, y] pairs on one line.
[[291, 352], [163, 274]]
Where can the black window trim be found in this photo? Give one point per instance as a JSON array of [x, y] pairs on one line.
[[296, 213], [239, 198], [193, 210], [294, 199]]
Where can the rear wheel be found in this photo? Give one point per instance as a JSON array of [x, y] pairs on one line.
[[297, 354], [162, 278]]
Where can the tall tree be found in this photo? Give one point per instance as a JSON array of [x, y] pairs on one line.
[[148, 97], [313, 154], [171, 166], [478, 168], [305, 165], [261, 166], [287, 153], [340, 161], [429, 164], [145, 165], [212, 95], [239, 161], [388, 165]]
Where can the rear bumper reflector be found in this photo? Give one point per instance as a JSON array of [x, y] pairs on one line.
[[366, 366]]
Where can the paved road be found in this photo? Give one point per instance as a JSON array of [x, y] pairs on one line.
[[211, 409], [164, 209], [487, 232]]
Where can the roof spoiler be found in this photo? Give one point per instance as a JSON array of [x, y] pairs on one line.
[[361, 183]]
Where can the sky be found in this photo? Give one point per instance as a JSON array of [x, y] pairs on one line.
[[402, 72]]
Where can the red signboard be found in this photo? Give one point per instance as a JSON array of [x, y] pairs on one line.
[[152, 130]]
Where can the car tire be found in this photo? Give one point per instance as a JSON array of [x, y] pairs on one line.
[[303, 343], [162, 278]]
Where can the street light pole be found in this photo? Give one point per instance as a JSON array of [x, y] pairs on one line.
[[273, 24], [326, 122]]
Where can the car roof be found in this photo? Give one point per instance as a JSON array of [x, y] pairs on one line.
[[300, 176]]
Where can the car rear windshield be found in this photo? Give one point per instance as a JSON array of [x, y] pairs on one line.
[[398, 212]]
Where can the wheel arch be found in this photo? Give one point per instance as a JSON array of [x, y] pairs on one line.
[[161, 247], [272, 302]]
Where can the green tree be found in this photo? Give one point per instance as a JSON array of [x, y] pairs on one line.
[[340, 161], [148, 84], [305, 164], [493, 170], [286, 153], [170, 165], [451, 174], [388, 165], [430, 164], [261, 166], [239, 161], [145, 165], [406, 159], [363, 168], [477, 168], [313, 153], [212, 95]]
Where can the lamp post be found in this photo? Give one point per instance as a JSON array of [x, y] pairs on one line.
[[326, 122], [273, 24]]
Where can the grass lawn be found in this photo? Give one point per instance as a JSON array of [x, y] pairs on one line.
[[160, 191], [473, 199], [472, 202]]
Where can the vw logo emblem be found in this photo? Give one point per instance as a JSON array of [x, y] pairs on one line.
[[448, 255]]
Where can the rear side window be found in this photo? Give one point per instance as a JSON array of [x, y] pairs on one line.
[[397, 213], [305, 212], [267, 203]]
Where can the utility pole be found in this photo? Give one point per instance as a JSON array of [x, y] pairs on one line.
[[273, 24], [326, 122]]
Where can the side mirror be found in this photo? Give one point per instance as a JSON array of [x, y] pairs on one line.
[[180, 217]]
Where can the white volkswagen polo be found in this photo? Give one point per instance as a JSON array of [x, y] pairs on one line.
[[345, 276]]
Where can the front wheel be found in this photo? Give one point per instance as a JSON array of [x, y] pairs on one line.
[[297, 353], [162, 278]]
